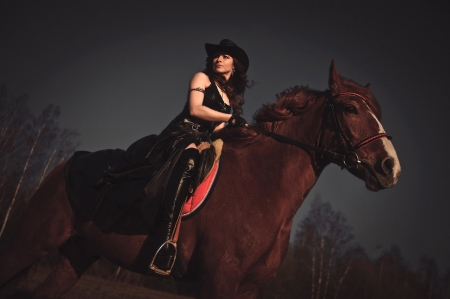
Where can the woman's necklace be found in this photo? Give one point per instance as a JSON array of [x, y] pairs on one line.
[[220, 91], [222, 103]]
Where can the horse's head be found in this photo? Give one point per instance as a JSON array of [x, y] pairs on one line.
[[354, 130]]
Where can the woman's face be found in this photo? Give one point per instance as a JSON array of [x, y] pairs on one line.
[[223, 64]]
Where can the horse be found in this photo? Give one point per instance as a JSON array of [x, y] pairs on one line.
[[236, 243]]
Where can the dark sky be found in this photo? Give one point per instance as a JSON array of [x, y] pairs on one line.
[[120, 71]]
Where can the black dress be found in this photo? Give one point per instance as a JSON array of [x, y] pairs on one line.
[[139, 175]]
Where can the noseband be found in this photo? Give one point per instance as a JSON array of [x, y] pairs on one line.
[[348, 158]]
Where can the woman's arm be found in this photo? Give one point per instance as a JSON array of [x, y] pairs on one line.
[[196, 107]]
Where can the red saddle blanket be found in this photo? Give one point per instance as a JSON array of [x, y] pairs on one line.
[[202, 191]]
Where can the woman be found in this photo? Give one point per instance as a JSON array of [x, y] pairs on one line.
[[212, 94], [163, 166]]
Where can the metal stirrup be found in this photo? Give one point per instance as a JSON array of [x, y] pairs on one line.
[[156, 269]]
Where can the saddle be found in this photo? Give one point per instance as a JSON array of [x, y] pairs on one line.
[[201, 193], [107, 206]]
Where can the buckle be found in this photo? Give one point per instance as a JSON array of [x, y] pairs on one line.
[[194, 125], [351, 160]]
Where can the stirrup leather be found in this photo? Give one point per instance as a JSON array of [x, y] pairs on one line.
[[156, 269]]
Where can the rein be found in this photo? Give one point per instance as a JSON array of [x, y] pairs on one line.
[[349, 159]]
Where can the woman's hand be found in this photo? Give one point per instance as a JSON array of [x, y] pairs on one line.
[[237, 121]]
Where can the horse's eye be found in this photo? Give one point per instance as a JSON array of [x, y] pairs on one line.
[[351, 109]]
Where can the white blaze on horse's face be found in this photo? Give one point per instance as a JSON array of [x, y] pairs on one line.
[[389, 148], [380, 166]]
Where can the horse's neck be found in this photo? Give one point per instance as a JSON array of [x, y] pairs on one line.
[[295, 169]]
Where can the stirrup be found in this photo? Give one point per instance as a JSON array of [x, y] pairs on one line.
[[156, 269]]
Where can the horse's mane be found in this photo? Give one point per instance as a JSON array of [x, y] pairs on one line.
[[293, 101]]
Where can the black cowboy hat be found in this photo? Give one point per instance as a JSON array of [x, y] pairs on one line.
[[226, 46]]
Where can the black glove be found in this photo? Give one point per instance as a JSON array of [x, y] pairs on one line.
[[237, 121]]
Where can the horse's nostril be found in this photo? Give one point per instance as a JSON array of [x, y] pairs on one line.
[[388, 165]]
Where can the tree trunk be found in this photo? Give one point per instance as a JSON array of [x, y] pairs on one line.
[[8, 212], [327, 281], [430, 295], [44, 172], [342, 279], [321, 261], [379, 279], [12, 147], [116, 276], [313, 271], [4, 141]]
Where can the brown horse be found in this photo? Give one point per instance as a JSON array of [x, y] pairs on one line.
[[238, 240]]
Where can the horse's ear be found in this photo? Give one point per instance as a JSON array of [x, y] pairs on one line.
[[335, 80], [368, 86]]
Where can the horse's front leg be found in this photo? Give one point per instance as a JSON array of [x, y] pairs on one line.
[[228, 288], [209, 289], [226, 280], [73, 262], [219, 283], [247, 291]]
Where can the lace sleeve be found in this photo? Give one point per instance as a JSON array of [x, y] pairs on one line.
[[197, 89]]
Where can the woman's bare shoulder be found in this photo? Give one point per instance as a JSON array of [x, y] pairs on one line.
[[199, 80]]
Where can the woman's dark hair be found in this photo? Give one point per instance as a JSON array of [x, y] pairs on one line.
[[234, 87]]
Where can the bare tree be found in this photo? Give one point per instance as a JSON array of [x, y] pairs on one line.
[[446, 284], [59, 144], [428, 276], [324, 262], [394, 278], [29, 148], [41, 123], [324, 236], [15, 116]]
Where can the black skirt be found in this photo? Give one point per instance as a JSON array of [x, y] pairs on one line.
[[107, 183]]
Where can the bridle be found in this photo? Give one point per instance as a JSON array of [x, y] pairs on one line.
[[348, 157]]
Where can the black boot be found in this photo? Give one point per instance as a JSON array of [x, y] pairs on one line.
[[177, 190]]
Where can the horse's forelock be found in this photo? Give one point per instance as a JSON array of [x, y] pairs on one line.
[[371, 101]]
